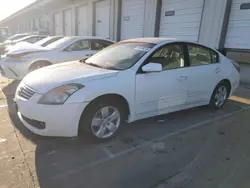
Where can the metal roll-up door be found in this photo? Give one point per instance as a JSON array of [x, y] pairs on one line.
[[181, 19], [132, 19]]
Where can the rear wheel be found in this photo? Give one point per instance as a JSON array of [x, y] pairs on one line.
[[102, 120], [219, 96], [38, 65]]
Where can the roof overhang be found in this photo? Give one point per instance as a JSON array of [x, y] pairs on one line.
[[33, 6]]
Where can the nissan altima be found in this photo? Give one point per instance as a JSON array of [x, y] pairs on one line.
[[128, 81]]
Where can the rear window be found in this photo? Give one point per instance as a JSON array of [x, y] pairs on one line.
[[47, 41], [59, 43]]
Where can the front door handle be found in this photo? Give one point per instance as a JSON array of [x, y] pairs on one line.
[[88, 55], [217, 70], [183, 78]]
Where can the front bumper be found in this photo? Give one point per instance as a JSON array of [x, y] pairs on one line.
[[13, 70], [59, 120]]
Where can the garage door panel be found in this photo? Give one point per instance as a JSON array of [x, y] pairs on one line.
[[183, 37], [191, 32], [236, 6], [188, 31], [236, 15], [237, 41], [242, 23], [188, 11], [181, 19], [181, 5], [58, 24], [67, 22], [238, 32], [181, 25], [82, 19], [132, 19], [102, 18], [132, 4]]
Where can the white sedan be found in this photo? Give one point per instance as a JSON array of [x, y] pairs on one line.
[[17, 65], [128, 81]]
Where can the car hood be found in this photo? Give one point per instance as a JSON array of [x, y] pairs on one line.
[[25, 47], [45, 79]]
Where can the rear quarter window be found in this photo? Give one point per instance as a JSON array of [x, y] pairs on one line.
[[215, 57]]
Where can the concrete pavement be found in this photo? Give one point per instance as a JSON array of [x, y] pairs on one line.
[[192, 148]]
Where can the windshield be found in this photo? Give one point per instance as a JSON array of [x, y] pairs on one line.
[[120, 56], [22, 39], [59, 43]]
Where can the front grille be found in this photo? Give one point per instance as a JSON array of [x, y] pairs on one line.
[[34, 123], [25, 92]]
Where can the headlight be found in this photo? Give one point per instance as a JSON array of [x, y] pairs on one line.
[[60, 94]]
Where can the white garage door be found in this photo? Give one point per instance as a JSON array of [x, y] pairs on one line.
[[67, 22], [82, 19], [238, 33], [181, 19], [102, 18], [37, 25], [58, 24], [132, 19]]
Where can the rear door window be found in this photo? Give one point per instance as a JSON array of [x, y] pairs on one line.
[[100, 44]]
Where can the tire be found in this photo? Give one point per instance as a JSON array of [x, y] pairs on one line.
[[38, 65], [219, 96], [97, 117]]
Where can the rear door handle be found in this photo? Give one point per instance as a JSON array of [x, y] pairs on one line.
[[88, 55], [183, 78], [217, 70]]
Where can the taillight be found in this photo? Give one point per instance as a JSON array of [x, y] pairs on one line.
[[236, 65]]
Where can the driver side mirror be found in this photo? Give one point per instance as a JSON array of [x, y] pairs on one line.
[[152, 67]]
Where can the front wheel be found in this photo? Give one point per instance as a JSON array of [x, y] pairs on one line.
[[38, 65], [219, 96], [102, 121]]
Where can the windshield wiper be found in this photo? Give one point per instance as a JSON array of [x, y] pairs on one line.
[[94, 65]]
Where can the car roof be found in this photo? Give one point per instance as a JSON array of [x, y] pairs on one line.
[[51, 37], [89, 37], [157, 40]]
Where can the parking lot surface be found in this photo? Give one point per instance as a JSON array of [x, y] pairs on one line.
[[199, 147]]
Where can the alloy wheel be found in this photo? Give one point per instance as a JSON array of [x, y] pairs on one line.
[[105, 122], [220, 96]]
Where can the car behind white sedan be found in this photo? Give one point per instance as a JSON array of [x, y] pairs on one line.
[[16, 66], [128, 81], [26, 47]]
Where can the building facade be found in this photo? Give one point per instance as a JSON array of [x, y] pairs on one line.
[[223, 24]]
